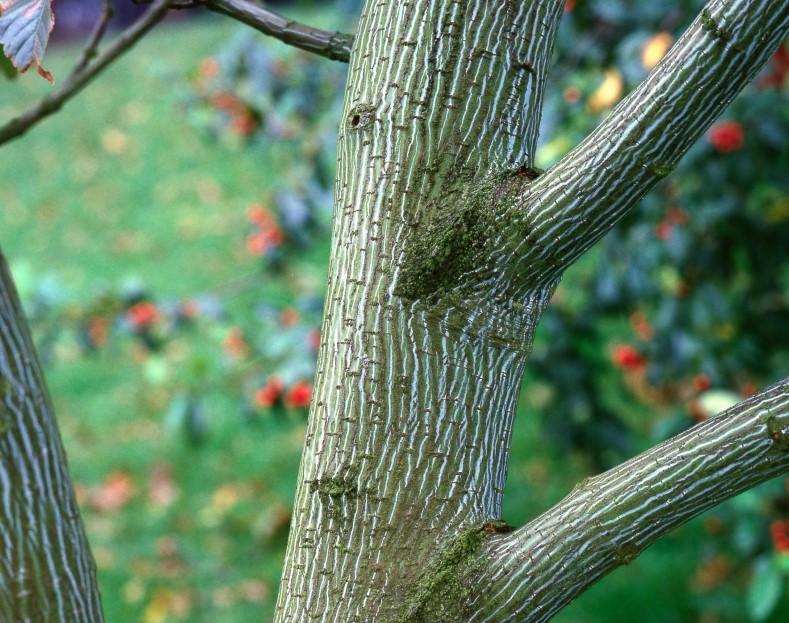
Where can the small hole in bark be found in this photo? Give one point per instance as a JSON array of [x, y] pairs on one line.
[[360, 116]]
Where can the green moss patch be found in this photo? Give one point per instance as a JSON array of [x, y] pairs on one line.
[[441, 592], [454, 243]]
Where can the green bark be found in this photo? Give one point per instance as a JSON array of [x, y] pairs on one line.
[[446, 248], [47, 572]]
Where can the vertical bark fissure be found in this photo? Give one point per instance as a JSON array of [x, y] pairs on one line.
[[47, 572], [409, 431]]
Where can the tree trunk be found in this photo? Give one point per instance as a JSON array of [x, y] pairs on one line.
[[47, 573], [410, 427], [446, 248]]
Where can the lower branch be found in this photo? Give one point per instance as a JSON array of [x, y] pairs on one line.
[[608, 520], [85, 70], [47, 572]]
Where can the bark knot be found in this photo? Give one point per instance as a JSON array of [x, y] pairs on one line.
[[779, 434], [626, 552], [360, 117], [710, 25]]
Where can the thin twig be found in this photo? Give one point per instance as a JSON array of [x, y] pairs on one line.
[[99, 30], [80, 78]]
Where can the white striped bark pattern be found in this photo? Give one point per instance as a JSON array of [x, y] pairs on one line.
[[410, 425], [577, 201], [445, 252], [47, 573], [607, 520]]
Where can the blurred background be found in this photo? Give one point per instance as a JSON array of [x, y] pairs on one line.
[[168, 232]]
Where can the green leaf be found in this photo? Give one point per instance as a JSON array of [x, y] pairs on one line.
[[24, 32], [765, 590], [715, 401], [782, 562], [7, 68], [156, 370]]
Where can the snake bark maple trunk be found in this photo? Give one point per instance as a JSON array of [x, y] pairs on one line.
[[47, 572], [409, 430]]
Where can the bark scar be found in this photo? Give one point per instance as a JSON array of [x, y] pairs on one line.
[[779, 434]]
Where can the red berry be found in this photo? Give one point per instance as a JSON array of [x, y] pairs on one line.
[[142, 314], [270, 393], [289, 317], [628, 358], [663, 230], [779, 531], [726, 136], [259, 215], [779, 69], [572, 94], [701, 382], [234, 344], [299, 395]]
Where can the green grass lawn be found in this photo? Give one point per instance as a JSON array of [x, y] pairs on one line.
[[119, 187]]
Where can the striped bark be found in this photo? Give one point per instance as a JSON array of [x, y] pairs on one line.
[[47, 573], [446, 248], [410, 425], [577, 201], [607, 520]]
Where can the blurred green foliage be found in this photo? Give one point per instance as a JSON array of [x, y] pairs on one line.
[[169, 234]]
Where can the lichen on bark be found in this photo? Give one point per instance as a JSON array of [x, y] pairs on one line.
[[440, 594], [456, 241]]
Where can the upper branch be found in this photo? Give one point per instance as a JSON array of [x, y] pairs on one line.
[[333, 45], [86, 69], [557, 217], [607, 520]]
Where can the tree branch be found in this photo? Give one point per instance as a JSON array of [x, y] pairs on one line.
[[333, 45], [607, 520], [558, 216], [99, 30], [85, 70]]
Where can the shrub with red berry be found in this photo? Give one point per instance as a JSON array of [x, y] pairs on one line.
[[727, 136]]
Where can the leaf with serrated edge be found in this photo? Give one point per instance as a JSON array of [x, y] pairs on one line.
[[24, 32]]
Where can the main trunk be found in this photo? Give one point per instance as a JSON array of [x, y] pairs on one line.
[[409, 430]]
